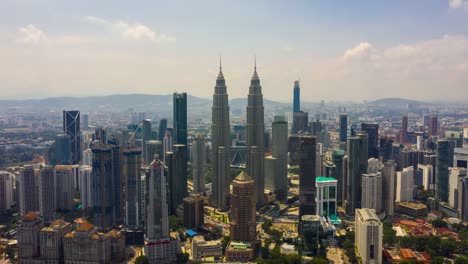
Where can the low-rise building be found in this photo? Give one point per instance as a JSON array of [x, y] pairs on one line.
[[287, 249], [412, 209], [202, 249], [239, 251]]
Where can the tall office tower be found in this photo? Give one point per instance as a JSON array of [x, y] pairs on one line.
[[146, 136], [177, 177], [153, 147], [427, 176], [180, 118], [6, 192], [462, 204], [194, 211], [433, 126], [51, 241], [64, 186], [198, 164], [405, 185], [388, 190], [460, 158], [442, 170], [297, 97], [27, 194], [255, 137], [315, 129], [103, 184], [300, 123], [131, 178], [162, 129], [71, 127], [357, 165], [63, 154], [369, 236], [159, 247], [100, 135], [404, 130], [310, 228], [372, 190], [167, 143], [454, 175], [47, 199], [337, 172], [326, 196], [276, 173], [85, 175], [426, 121], [343, 128], [87, 157], [85, 122], [386, 148], [28, 237], [307, 174], [372, 131], [243, 226]]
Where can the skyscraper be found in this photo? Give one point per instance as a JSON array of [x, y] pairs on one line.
[[63, 154], [220, 143], [131, 177], [388, 190], [153, 147], [167, 142], [404, 129], [198, 164], [372, 188], [297, 97], [357, 165], [372, 131], [47, 200], [162, 129], [433, 126], [276, 173], [242, 224], [159, 247], [307, 175], [442, 171], [343, 127], [194, 211], [337, 157], [71, 127], [177, 177], [146, 136], [300, 123], [405, 185], [6, 192], [65, 176], [369, 236], [26, 186], [180, 118], [255, 137], [28, 237], [102, 185], [85, 122]]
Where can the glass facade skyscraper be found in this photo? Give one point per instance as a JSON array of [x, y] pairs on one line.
[[297, 97], [180, 119], [71, 127]]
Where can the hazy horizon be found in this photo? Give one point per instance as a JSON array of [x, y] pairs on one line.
[[341, 51]]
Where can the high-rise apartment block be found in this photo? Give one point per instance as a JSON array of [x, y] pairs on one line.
[[307, 175], [369, 236]]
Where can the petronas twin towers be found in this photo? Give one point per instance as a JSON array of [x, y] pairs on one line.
[[221, 141]]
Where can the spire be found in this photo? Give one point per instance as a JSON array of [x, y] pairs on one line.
[[220, 74], [255, 75]]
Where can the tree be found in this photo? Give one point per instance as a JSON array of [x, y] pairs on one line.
[[141, 260], [224, 242], [389, 234], [318, 260], [176, 222], [448, 247], [439, 223], [182, 258], [461, 260]]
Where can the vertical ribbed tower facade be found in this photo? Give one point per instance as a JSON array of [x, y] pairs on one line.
[[255, 137], [220, 143], [242, 225]]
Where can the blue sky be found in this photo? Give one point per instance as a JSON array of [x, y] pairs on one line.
[[340, 50]]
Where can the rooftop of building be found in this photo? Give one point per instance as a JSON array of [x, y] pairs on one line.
[[367, 215], [30, 216], [310, 218], [239, 245], [85, 227], [413, 205], [325, 179], [56, 225], [243, 176]]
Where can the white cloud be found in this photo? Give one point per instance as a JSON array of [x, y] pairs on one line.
[[31, 34], [131, 31], [363, 51], [458, 4]]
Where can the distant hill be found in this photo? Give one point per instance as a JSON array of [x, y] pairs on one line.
[[138, 102], [395, 102]]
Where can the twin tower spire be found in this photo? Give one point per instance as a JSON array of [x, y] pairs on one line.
[[221, 141]]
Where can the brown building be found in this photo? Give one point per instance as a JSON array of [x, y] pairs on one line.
[[243, 226], [193, 211], [28, 237], [433, 127], [51, 241]]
